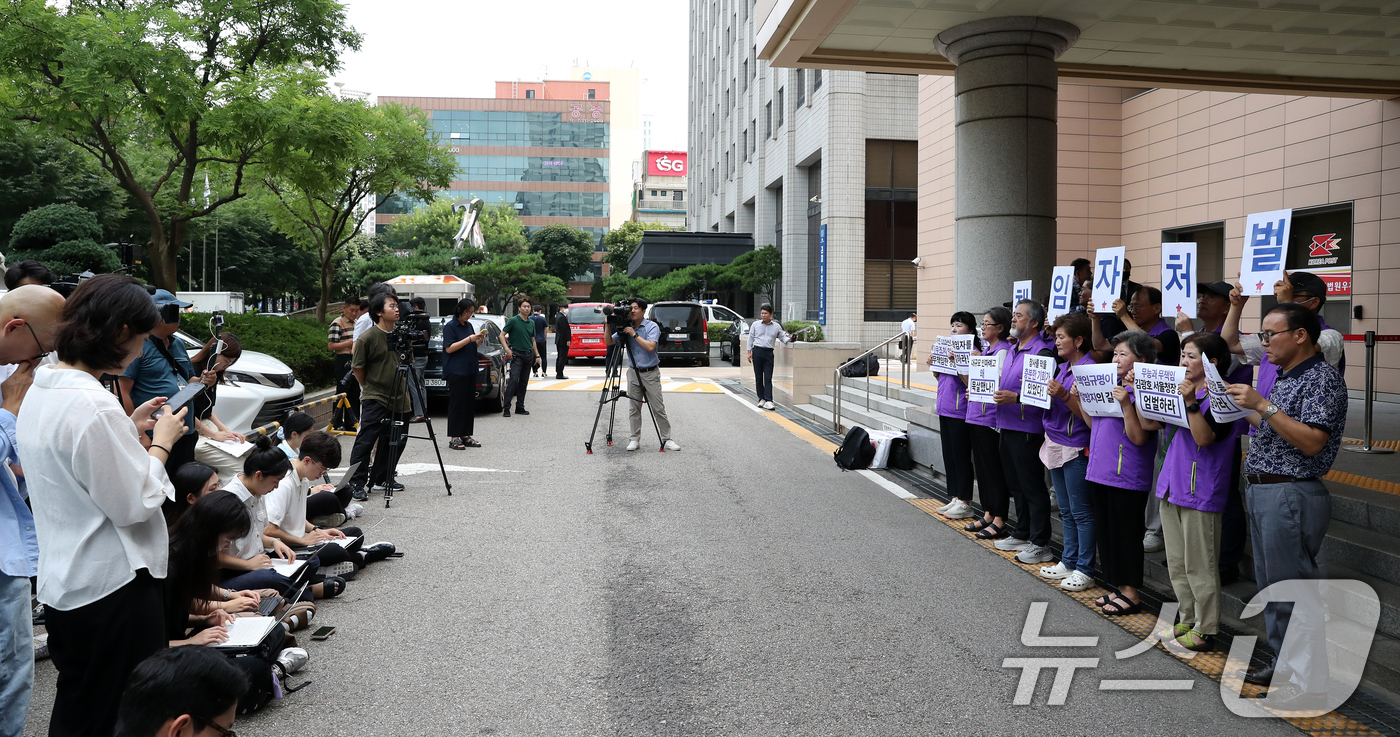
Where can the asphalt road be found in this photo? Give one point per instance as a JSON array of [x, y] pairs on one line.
[[744, 586]]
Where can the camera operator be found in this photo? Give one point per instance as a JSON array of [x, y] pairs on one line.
[[162, 370], [28, 271], [644, 371], [520, 351], [375, 367]]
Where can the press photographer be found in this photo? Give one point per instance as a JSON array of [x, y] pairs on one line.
[[643, 372], [162, 370], [383, 393]]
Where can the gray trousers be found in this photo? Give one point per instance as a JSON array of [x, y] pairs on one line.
[[1287, 523], [652, 381]]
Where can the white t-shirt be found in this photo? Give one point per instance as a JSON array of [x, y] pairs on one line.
[[286, 505], [908, 326], [361, 325], [249, 545]]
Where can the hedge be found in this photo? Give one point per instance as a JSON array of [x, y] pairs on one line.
[[717, 331], [299, 342]]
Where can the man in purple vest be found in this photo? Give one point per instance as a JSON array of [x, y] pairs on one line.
[[1299, 287]]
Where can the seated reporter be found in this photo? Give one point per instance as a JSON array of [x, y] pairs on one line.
[[191, 481], [97, 492], [287, 510], [294, 429], [245, 564], [207, 425], [643, 370], [181, 691]]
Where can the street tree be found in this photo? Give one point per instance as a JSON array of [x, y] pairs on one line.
[[159, 92], [348, 160], [566, 250], [623, 240]]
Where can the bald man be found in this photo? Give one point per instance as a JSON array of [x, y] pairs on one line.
[[28, 316]]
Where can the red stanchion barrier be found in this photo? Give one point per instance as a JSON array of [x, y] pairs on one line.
[[1370, 339], [1377, 338]]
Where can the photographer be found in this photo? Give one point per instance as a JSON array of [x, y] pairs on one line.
[[520, 351], [643, 372], [97, 494], [162, 370], [375, 367]]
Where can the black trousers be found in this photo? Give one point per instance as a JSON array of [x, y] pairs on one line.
[[330, 555], [561, 357], [763, 373], [544, 356], [373, 437], [345, 418], [957, 455], [520, 364], [95, 648], [1025, 476], [991, 474], [323, 503], [461, 405], [181, 452], [1119, 529], [1234, 524]]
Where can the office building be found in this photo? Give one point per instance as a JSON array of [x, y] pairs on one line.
[[659, 189], [819, 163]]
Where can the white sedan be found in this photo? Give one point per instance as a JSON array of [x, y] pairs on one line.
[[257, 390]]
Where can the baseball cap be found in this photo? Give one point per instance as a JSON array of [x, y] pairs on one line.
[[1221, 288], [1308, 283], [164, 297]]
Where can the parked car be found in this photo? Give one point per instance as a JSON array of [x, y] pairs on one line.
[[720, 313], [586, 324], [257, 390], [684, 331], [491, 361], [734, 337]]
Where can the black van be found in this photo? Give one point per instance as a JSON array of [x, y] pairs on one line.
[[684, 332]]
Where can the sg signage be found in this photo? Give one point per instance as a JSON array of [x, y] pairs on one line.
[[666, 163]]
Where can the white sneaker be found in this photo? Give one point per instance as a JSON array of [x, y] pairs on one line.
[[1056, 571], [1011, 544], [354, 510], [672, 446], [632, 444], [1152, 542], [959, 509], [293, 659], [769, 405], [1076, 581], [949, 505], [1033, 554]]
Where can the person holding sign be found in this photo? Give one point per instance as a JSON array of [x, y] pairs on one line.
[[1144, 312], [1022, 433], [986, 443], [952, 428], [1299, 427], [1066, 438], [1121, 455], [1191, 489]]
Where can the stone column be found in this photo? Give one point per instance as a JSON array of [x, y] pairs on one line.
[[1005, 89]]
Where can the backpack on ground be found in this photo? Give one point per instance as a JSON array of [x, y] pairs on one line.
[[900, 455], [856, 451]]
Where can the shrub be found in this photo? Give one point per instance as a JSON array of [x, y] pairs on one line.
[[717, 331], [47, 226], [77, 256], [811, 336], [298, 342]]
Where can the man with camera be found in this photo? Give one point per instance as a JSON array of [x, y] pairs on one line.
[[383, 395], [162, 370], [643, 373]]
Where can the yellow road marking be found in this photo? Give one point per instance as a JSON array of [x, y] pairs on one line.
[[912, 383], [695, 386], [561, 385], [815, 440], [1351, 479], [1391, 444]]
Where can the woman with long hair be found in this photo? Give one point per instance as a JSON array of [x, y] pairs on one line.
[[191, 481], [982, 432], [459, 366]]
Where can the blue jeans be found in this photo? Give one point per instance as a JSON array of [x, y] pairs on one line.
[[16, 654], [266, 578], [1076, 513]]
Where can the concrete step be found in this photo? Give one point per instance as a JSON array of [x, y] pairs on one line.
[[1365, 508], [892, 407], [856, 414], [813, 413], [914, 395], [1363, 550]]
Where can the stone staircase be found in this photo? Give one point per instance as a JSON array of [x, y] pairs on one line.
[[1363, 540]]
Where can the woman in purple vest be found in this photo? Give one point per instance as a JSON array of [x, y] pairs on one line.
[[952, 427], [1121, 453], [1191, 488], [1066, 439], [981, 430]]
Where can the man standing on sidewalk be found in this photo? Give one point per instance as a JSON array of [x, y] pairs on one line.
[[906, 341], [562, 335], [762, 337], [520, 352], [339, 339], [541, 336]]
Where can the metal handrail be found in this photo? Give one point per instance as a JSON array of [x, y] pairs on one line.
[[837, 377]]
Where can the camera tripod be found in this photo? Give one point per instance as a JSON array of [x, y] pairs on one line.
[[612, 394], [405, 380]]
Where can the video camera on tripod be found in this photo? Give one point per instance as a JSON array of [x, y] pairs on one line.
[[411, 331], [619, 314]]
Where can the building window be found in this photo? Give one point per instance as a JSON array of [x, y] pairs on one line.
[[592, 94], [816, 79], [726, 102], [801, 87], [891, 229], [781, 108], [753, 142], [653, 193], [745, 75], [745, 140], [529, 94], [768, 120], [679, 196], [814, 222]]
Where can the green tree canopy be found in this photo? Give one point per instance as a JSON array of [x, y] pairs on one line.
[[38, 170], [623, 240], [429, 226], [566, 250], [47, 226], [77, 256], [159, 92]]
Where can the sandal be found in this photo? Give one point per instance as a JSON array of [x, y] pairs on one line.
[[992, 532], [980, 524], [471, 443], [1194, 641], [1121, 606], [1102, 601], [457, 444]]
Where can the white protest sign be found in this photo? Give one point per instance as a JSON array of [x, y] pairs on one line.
[[1095, 383], [1265, 246], [1036, 373], [1062, 288], [1108, 277], [962, 350], [1157, 395], [942, 360], [1178, 279], [1020, 290], [983, 378], [1222, 406]]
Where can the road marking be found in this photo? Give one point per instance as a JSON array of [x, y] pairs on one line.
[[1351, 479], [889, 486], [689, 386], [1391, 444], [409, 469]]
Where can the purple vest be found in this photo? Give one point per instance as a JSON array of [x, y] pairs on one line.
[[1160, 328], [1062, 425], [952, 396], [1017, 416], [986, 414], [1196, 477], [1115, 461]]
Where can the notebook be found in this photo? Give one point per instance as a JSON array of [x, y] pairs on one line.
[[247, 631], [290, 570]]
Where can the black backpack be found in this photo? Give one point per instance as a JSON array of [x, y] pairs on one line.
[[869, 367], [900, 455], [856, 451]]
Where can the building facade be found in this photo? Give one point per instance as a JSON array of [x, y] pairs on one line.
[[659, 189], [818, 163]]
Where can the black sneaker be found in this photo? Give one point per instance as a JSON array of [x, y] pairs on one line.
[[521, 411], [358, 494], [396, 487], [506, 413]]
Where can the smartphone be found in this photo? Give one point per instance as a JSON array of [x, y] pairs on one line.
[[322, 633], [181, 398]]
